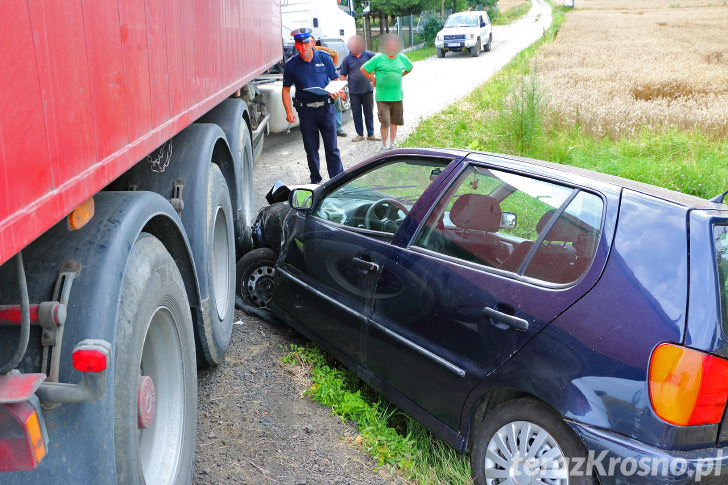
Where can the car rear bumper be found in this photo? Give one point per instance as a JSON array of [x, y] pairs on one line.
[[618, 459]]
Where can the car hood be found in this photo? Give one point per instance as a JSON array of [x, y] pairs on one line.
[[458, 30]]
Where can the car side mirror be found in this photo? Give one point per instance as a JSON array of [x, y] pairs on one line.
[[301, 199], [482, 24], [509, 220]]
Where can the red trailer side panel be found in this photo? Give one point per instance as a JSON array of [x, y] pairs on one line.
[[90, 88]]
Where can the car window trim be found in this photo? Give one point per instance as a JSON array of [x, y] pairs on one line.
[[545, 231], [495, 271], [466, 162], [359, 230]]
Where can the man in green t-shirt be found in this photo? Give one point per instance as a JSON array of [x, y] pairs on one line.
[[385, 71]]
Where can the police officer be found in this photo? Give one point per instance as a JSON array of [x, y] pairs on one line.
[[312, 68]]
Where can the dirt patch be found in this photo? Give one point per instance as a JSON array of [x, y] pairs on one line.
[[254, 426]]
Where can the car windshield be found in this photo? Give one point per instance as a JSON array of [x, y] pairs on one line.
[[462, 21]]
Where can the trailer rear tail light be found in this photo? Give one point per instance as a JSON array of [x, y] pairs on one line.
[[81, 214], [23, 442], [687, 387], [89, 360]]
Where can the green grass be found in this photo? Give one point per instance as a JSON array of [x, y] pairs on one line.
[[420, 54], [508, 114], [391, 437], [512, 14]]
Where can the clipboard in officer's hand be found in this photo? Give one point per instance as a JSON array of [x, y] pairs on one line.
[[332, 88]]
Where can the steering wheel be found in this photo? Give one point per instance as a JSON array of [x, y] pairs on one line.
[[388, 221]]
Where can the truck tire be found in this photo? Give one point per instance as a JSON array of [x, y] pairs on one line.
[[247, 190], [489, 45], [255, 277], [440, 53], [154, 345], [214, 334], [475, 50]]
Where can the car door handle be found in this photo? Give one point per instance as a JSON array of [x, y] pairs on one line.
[[367, 266], [510, 320]]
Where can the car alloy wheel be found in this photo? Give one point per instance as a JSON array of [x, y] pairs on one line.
[[521, 452]]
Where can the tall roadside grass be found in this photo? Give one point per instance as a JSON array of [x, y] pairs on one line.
[[511, 114], [509, 13], [391, 437]]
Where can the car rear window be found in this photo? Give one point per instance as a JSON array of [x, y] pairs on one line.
[[720, 238]]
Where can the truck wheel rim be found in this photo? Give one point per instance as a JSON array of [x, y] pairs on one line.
[[522, 452], [221, 264], [160, 444], [260, 285]]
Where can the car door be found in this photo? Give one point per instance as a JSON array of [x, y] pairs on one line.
[[330, 260], [499, 256]]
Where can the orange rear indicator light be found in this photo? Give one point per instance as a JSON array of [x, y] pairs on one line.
[[23, 438], [687, 387], [81, 215]]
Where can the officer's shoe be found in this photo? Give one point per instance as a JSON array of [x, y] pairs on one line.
[[341, 133]]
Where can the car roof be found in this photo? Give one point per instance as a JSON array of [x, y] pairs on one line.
[[647, 189]]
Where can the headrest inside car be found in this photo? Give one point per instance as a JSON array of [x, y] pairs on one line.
[[477, 212], [566, 228]]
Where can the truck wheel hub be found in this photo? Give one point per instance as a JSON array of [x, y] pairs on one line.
[[145, 402]]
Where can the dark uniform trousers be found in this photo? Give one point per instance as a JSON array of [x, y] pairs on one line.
[[313, 121]]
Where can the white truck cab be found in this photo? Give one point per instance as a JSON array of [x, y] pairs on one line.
[[330, 20], [470, 31]]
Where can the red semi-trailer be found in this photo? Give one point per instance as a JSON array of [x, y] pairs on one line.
[[127, 133]]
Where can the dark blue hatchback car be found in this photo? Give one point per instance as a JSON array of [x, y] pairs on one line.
[[563, 326]]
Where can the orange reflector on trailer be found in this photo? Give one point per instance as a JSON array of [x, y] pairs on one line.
[[81, 215], [22, 436]]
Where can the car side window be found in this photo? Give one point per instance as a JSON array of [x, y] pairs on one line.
[[380, 199], [515, 223]]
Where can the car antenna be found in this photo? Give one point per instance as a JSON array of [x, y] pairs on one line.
[[718, 199]]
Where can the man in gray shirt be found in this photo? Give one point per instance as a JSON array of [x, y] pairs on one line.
[[360, 89]]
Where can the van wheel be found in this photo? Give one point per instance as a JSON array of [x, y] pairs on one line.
[[523, 441], [255, 277], [489, 45], [217, 326], [155, 376], [475, 50], [440, 53]]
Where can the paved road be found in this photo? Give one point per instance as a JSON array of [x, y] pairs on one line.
[[433, 84]]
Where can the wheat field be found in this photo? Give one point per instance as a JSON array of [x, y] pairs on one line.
[[506, 5], [619, 65]]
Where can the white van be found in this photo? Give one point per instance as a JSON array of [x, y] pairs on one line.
[[470, 31]]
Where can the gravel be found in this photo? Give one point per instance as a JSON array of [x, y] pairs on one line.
[[253, 424]]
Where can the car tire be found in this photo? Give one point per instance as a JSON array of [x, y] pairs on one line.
[[256, 271], [524, 415], [489, 45], [475, 50], [154, 339], [217, 327], [440, 53]]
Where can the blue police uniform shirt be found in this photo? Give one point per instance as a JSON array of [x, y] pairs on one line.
[[350, 67], [316, 73]]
